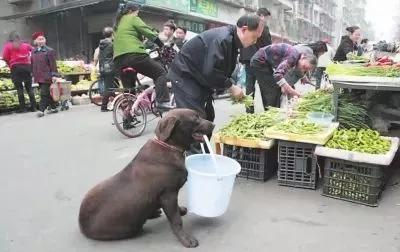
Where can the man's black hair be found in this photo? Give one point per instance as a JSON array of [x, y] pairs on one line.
[[318, 47], [252, 21], [182, 28]]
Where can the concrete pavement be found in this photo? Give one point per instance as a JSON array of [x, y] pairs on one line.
[[48, 164]]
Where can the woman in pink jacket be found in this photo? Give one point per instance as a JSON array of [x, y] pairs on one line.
[[17, 54]]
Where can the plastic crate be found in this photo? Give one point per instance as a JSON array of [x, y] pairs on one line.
[[257, 164], [356, 182], [297, 165]]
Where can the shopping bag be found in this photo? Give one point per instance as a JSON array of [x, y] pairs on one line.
[[55, 91]]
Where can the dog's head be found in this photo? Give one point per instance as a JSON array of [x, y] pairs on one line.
[[182, 127]]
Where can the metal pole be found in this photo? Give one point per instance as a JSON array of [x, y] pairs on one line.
[[81, 29]]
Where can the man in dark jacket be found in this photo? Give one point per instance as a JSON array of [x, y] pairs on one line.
[[206, 63], [106, 68], [247, 53]]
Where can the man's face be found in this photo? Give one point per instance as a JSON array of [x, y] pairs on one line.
[[40, 41], [180, 34], [249, 38], [167, 31]]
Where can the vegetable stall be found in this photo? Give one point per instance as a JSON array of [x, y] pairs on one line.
[[75, 71], [304, 146], [373, 79]]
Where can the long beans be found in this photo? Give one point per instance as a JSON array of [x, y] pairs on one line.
[[252, 126]]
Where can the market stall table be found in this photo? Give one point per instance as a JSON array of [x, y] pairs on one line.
[[361, 83]]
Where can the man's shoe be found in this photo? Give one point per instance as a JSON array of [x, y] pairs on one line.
[[104, 110], [164, 105], [40, 114]]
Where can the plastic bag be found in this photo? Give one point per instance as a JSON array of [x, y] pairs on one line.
[[55, 91], [241, 76], [94, 74]]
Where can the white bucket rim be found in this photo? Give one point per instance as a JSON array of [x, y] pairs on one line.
[[235, 172]]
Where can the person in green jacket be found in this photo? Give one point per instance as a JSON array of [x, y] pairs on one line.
[[129, 51]]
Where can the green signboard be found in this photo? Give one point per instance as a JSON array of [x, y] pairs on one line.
[[205, 7], [178, 5], [193, 26]]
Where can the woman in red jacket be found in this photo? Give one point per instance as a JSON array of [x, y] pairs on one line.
[[44, 69], [17, 54]]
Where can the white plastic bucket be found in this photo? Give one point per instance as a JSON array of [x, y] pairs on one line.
[[208, 192]]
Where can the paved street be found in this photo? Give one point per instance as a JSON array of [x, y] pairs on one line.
[[48, 164]]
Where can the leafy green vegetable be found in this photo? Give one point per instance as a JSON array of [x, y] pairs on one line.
[[351, 114], [359, 70]]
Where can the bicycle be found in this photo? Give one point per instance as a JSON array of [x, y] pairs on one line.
[[130, 107], [130, 110], [96, 92]]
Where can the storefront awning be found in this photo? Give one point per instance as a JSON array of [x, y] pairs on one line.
[[53, 9]]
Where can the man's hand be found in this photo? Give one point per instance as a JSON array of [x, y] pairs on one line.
[[288, 90], [54, 79], [236, 92]]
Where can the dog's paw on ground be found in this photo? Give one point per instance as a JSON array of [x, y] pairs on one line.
[[189, 241]]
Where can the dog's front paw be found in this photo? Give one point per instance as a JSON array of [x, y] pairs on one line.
[[189, 241], [183, 211]]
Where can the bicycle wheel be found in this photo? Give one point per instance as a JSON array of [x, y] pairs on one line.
[[129, 123], [96, 91]]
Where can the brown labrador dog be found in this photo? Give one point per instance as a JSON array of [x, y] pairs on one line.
[[118, 207]]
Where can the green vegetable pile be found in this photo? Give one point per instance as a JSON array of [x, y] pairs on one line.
[[6, 84], [351, 114], [358, 70], [247, 100], [252, 126], [363, 140], [9, 99], [298, 126], [66, 69], [354, 57], [4, 70], [318, 101]]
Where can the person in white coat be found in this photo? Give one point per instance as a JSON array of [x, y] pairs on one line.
[[323, 61]]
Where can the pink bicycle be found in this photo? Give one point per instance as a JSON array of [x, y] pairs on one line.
[[131, 109]]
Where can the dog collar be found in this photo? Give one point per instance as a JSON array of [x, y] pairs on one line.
[[168, 146]]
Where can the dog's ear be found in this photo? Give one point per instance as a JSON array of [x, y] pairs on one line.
[[165, 127]]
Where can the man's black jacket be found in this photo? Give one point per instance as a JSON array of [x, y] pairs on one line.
[[209, 58]]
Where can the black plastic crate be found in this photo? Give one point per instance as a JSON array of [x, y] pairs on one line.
[[297, 165], [356, 182], [257, 164]]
